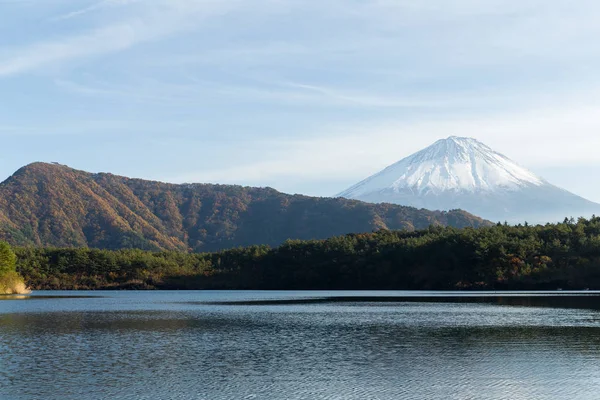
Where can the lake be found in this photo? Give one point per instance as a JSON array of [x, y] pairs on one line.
[[300, 345]]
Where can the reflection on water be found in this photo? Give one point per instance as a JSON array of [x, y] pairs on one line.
[[14, 297], [591, 301], [191, 345]]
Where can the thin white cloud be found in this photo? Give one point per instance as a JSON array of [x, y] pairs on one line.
[[193, 91], [336, 96], [95, 7], [101, 41], [155, 22]]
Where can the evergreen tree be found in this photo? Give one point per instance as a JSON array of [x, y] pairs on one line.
[[8, 259]]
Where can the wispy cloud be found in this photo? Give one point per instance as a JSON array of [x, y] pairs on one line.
[[101, 41], [336, 96], [190, 91], [95, 7], [161, 19], [194, 91]]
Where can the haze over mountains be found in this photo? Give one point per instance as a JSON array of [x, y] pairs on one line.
[[464, 173], [54, 205]]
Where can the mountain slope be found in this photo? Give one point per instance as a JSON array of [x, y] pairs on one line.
[[53, 205], [464, 173]]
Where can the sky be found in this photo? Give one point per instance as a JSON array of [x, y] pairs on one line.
[[300, 95]]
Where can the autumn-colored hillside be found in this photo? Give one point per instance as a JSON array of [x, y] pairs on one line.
[[54, 205]]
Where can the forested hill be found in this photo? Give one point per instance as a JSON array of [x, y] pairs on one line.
[[54, 205], [563, 255]]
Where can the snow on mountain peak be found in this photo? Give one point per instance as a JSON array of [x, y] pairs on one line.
[[452, 164]]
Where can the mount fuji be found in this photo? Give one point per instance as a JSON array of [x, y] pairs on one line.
[[464, 173]]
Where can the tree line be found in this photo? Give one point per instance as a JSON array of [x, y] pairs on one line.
[[564, 255]]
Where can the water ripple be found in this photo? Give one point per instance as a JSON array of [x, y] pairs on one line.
[[140, 349]]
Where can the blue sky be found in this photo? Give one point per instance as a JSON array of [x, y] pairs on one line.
[[304, 96]]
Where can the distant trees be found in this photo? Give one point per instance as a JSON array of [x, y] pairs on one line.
[[565, 255]]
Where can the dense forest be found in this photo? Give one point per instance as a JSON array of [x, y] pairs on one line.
[[49, 205], [565, 255]]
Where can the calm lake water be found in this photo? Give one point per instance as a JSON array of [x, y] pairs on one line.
[[300, 345]]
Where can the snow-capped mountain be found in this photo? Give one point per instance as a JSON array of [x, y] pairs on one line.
[[465, 173]]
